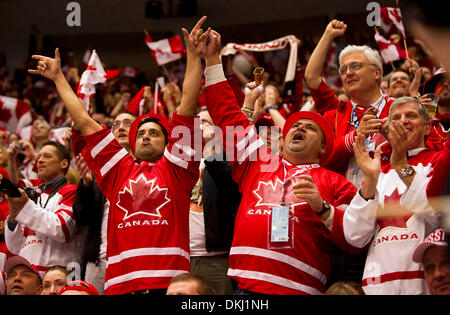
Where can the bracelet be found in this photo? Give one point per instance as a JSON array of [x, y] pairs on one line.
[[246, 110], [268, 108]]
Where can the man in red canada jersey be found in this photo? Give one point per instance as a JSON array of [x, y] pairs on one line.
[[292, 194], [148, 225], [361, 70]]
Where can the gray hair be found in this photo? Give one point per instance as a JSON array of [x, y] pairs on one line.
[[372, 55], [407, 99], [42, 122]]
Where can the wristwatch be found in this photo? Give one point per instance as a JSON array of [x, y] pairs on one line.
[[407, 171], [325, 207]]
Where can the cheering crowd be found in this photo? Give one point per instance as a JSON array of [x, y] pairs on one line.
[[230, 182]]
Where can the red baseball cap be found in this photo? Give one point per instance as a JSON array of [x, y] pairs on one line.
[[436, 238], [14, 261], [323, 124], [160, 119], [79, 285]]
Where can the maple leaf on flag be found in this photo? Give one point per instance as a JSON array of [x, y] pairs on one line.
[[142, 197], [5, 114]]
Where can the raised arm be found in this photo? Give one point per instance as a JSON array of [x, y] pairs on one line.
[[315, 64], [195, 43], [51, 69]]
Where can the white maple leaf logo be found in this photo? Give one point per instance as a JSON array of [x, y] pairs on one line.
[[269, 194], [142, 197]]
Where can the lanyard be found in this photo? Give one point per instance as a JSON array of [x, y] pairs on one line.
[[57, 187], [354, 118]]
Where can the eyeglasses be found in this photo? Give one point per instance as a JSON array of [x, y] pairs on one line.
[[125, 122], [354, 66]]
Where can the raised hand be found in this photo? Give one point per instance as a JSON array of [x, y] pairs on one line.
[[48, 67], [212, 47], [335, 29], [252, 95], [196, 39], [371, 167], [369, 124], [398, 136]]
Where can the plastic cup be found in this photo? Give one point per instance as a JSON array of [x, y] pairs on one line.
[[432, 106]]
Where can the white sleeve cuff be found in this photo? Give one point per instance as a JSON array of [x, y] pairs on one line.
[[214, 74], [329, 221]]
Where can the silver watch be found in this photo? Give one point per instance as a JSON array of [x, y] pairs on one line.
[[407, 171]]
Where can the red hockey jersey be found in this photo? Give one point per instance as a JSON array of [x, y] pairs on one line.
[[254, 263], [148, 223]]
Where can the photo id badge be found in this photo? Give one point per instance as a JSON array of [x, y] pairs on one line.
[[280, 228]]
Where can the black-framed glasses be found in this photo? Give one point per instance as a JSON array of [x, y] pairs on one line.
[[126, 122], [354, 66]]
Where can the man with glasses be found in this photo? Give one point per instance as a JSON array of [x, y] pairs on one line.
[[399, 84], [361, 71], [91, 207], [120, 128]]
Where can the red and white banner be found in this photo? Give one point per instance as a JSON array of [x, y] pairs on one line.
[[390, 51], [277, 44], [93, 74], [14, 113], [391, 19], [165, 50]]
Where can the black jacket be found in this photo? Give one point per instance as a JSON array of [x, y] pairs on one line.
[[221, 199]]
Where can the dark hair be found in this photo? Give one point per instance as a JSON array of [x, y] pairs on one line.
[[62, 152], [57, 267], [124, 111], [400, 70], [203, 285], [164, 131]]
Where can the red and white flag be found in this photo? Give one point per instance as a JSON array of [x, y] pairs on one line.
[[165, 50], [87, 57], [26, 132], [93, 74], [14, 113], [137, 103], [390, 51], [390, 20], [58, 135], [130, 72]]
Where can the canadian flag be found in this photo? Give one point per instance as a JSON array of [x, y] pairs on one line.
[[26, 132], [137, 103], [93, 74], [130, 72], [165, 50], [59, 135], [390, 51], [391, 19], [86, 57], [14, 113]]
